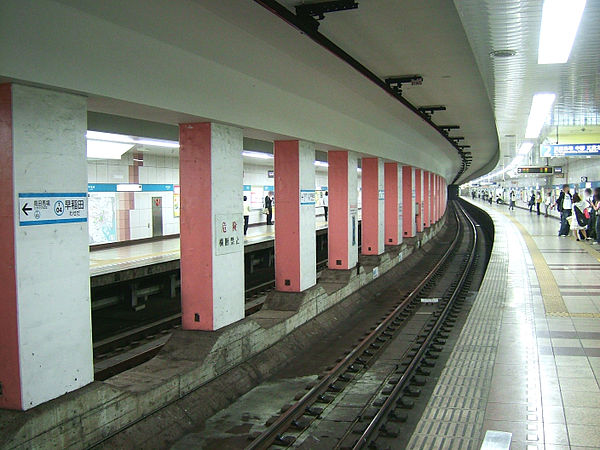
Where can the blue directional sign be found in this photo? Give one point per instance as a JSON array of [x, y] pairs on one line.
[[47, 208], [559, 150]]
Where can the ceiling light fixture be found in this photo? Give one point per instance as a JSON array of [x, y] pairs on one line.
[[125, 139], [504, 53], [540, 108], [258, 155], [560, 21], [106, 150]]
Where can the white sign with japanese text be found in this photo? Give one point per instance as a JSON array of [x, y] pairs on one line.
[[229, 233], [49, 208], [307, 197]]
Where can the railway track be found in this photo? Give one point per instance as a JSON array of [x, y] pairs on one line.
[[130, 348], [388, 401]]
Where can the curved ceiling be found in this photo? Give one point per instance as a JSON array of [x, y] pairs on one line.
[[399, 38], [234, 61], [511, 82]]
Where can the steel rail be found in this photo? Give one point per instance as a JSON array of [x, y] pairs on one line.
[[389, 404], [267, 437]]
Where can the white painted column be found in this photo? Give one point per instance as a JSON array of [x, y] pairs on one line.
[[343, 210], [212, 226], [45, 322], [295, 240]]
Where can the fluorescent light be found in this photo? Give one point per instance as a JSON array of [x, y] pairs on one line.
[[540, 108], [157, 142], [106, 150], [125, 139], [525, 148], [321, 164], [109, 137], [560, 21], [258, 155]]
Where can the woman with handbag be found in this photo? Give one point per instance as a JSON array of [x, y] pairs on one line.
[[577, 219]]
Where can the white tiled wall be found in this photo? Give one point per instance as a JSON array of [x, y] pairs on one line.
[[157, 169]]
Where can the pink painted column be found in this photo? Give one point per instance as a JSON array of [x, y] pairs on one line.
[[9, 333], [212, 240], [419, 199], [343, 211], [434, 198], [426, 200], [437, 198], [295, 241], [408, 201], [393, 203], [373, 218]]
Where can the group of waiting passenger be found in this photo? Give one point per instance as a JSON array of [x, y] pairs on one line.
[[578, 214]]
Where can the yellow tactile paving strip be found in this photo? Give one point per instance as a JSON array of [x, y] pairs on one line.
[[591, 250], [553, 301]]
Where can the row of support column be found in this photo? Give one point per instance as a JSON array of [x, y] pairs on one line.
[[45, 268], [397, 202]]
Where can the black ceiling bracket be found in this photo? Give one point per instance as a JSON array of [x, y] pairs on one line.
[[318, 10], [395, 83], [306, 24], [429, 110]]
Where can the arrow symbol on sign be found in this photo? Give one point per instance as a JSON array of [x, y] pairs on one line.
[[25, 209]]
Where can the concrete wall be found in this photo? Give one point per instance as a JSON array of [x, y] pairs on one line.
[[52, 261]]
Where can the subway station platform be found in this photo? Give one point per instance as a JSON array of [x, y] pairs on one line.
[[528, 359], [138, 254]]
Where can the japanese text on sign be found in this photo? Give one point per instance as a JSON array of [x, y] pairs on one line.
[[558, 150], [50, 208], [307, 197], [229, 233]]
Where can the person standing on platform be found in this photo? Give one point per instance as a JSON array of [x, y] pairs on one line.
[[564, 203], [547, 203], [577, 219], [590, 214], [269, 209], [531, 202], [512, 200], [326, 204], [246, 214], [596, 208], [538, 202]]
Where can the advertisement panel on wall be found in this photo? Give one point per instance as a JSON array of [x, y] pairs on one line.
[[102, 218]]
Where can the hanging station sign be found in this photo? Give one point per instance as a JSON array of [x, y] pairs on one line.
[[559, 150]]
